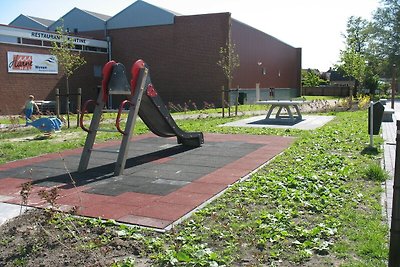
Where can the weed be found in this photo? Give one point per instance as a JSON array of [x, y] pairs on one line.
[[374, 172]]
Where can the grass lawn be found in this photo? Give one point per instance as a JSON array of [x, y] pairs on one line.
[[317, 204]]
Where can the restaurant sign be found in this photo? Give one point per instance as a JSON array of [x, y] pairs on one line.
[[31, 63]]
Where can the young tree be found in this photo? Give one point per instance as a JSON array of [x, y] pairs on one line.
[[229, 61], [353, 59], [311, 79], [353, 64], [69, 60]]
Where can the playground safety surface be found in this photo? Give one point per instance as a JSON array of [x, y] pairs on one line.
[[162, 183]]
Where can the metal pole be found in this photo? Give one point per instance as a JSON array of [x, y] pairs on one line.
[[258, 92], [67, 102], [237, 100], [229, 102], [393, 84], [371, 123], [223, 102], [78, 106], [394, 255], [58, 102]]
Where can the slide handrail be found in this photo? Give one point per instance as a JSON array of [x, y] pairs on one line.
[[84, 111], [117, 121]]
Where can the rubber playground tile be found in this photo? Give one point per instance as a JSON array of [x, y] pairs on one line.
[[185, 198], [82, 199], [162, 181], [107, 210], [203, 188], [145, 221], [134, 199], [164, 211]]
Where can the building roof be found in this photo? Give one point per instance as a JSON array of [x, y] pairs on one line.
[[44, 22], [338, 76], [141, 13], [98, 15]]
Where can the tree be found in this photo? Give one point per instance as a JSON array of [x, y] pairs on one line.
[[229, 61], [353, 59], [310, 78], [353, 64], [68, 59], [386, 36]]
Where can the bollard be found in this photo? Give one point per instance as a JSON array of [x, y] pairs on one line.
[[394, 255]]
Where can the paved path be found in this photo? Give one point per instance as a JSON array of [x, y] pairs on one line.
[[389, 136]]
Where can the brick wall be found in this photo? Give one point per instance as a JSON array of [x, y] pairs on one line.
[[258, 50], [182, 57], [15, 87]]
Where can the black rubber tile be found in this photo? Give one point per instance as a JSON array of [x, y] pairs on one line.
[[177, 168], [109, 189], [133, 181], [157, 189], [49, 184], [169, 174], [204, 160]]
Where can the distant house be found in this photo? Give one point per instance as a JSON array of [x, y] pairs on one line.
[[31, 22], [337, 78]]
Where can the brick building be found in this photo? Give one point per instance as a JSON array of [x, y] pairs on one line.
[[182, 52]]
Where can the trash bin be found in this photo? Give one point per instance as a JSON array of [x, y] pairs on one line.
[[378, 110], [242, 98]]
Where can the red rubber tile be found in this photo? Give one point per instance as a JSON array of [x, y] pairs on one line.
[[163, 211], [106, 210], [203, 188], [82, 199], [134, 199], [11, 185], [145, 221], [185, 198]]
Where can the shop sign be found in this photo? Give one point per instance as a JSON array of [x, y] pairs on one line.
[[31, 63]]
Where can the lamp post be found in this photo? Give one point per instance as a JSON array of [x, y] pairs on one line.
[[393, 84]]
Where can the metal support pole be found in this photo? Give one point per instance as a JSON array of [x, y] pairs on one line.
[[78, 106], [258, 98], [394, 255], [237, 100], [67, 101], [58, 102], [229, 102], [393, 84], [223, 102], [371, 123]]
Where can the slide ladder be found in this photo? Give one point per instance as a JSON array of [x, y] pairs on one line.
[[114, 82]]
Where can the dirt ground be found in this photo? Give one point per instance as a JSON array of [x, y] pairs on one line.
[[35, 239]]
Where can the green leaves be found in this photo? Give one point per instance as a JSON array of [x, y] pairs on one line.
[[69, 60]]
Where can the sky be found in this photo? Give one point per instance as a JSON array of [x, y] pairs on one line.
[[315, 26]]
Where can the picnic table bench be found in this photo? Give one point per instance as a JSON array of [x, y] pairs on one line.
[[280, 104]]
